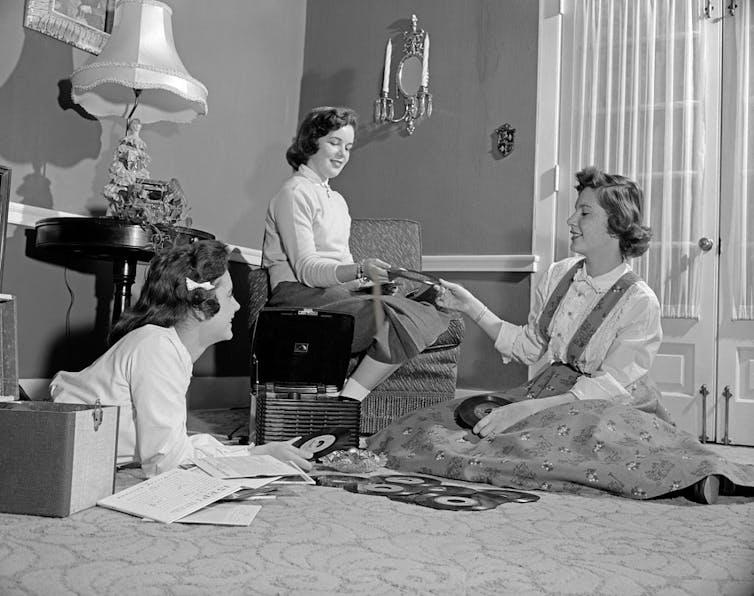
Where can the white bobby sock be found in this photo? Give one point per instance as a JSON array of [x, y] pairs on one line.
[[354, 390]]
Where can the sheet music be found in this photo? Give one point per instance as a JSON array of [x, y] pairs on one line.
[[169, 496], [245, 466], [223, 514]]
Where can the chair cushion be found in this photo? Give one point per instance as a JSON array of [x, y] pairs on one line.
[[396, 241]]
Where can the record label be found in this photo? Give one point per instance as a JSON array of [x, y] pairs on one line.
[[384, 489], [475, 502], [472, 409], [324, 441]]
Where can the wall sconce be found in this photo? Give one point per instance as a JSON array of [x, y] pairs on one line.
[[411, 81]]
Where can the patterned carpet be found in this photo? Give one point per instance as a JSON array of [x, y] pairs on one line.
[[330, 541]]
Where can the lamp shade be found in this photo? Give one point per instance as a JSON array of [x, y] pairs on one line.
[[140, 55]]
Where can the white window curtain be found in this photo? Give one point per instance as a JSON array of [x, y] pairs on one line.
[[742, 201], [637, 110]]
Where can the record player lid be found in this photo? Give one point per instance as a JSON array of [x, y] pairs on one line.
[[302, 347]]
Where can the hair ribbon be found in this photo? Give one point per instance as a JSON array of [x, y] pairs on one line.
[[193, 285]]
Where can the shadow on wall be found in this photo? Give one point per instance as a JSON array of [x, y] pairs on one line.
[[39, 133], [337, 90], [248, 224], [78, 346], [232, 358]]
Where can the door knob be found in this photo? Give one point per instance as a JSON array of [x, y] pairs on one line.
[[706, 244]]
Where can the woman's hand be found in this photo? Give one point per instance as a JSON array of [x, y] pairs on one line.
[[376, 270], [455, 297], [502, 418], [285, 452]]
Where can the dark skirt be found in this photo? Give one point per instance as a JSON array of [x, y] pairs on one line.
[[575, 447], [411, 325]]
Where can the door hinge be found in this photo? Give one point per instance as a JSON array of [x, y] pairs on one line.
[[556, 178]]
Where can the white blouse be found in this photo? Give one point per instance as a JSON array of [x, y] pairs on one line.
[[306, 233], [147, 373], [621, 350]]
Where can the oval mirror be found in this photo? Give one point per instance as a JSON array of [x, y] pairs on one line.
[[410, 75]]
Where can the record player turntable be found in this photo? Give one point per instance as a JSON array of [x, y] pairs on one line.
[[299, 364]]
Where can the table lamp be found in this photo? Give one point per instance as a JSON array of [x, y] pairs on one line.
[[139, 76]]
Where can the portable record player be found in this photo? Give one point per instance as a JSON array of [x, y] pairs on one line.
[[299, 364]]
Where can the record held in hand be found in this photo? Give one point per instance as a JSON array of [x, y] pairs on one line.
[[475, 502], [384, 489], [472, 409], [324, 441], [420, 276], [338, 480]]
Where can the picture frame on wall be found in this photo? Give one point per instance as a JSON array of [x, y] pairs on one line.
[[4, 205], [85, 24]]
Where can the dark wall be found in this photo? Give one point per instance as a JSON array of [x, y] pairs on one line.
[[264, 63], [447, 175]]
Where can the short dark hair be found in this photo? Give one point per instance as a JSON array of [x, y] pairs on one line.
[[165, 298], [316, 124], [623, 200]]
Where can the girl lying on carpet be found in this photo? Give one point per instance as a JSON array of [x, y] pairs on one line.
[[185, 306], [592, 418]]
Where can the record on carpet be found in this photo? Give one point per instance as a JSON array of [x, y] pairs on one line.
[[338, 480], [450, 489], [384, 489], [472, 409], [409, 480], [324, 441], [476, 502], [509, 495], [404, 498]]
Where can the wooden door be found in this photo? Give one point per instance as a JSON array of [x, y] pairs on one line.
[[734, 392]]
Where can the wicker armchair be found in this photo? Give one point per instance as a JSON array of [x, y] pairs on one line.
[[426, 379]]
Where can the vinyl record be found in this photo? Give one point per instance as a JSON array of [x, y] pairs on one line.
[[510, 496], [405, 498], [475, 502], [324, 441], [450, 489], [403, 480], [384, 489], [338, 480], [472, 409]]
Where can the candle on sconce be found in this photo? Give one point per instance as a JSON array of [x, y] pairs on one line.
[[386, 71], [425, 62]]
